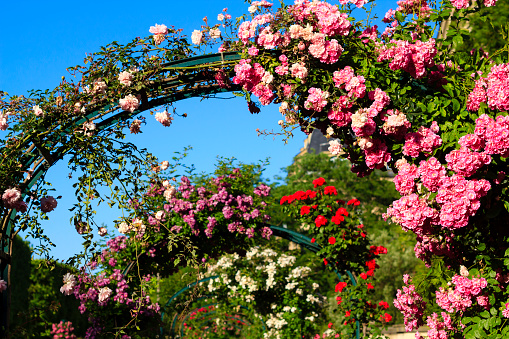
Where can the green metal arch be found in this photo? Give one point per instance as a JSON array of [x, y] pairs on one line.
[[49, 152]]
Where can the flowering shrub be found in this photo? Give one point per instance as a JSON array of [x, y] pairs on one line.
[[335, 227], [168, 227], [274, 290], [222, 213]]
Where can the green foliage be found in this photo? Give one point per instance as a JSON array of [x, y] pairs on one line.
[[20, 276], [487, 29], [45, 304]]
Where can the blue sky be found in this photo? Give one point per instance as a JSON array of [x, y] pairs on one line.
[[41, 39]]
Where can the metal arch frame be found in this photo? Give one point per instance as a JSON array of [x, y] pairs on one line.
[[176, 89], [282, 232]]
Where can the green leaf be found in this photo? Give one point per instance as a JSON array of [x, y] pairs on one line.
[[456, 104]]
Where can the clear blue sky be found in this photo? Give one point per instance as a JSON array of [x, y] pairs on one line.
[[42, 38]]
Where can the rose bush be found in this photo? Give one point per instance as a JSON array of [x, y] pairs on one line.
[[274, 290], [334, 225]]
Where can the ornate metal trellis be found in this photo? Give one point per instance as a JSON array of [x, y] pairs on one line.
[[40, 155], [282, 232]]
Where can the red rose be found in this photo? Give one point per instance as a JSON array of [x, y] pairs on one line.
[[354, 202], [330, 190], [339, 287], [383, 305], [311, 194], [332, 240], [337, 219], [313, 240], [371, 264], [387, 317], [342, 211], [305, 210], [318, 182], [320, 221]]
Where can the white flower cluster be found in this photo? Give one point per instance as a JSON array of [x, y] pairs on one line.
[[312, 317], [262, 272], [276, 321]]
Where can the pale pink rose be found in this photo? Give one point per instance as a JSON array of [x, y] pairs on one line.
[[335, 147], [215, 33], [10, 197], [166, 183], [138, 225], [399, 163], [464, 271], [102, 231], [267, 78], [100, 87], [129, 103], [165, 164], [69, 284], [3, 121], [164, 118], [299, 71], [104, 294], [295, 31], [124, 228], [125, 78], [48, 204], [160, 215], [38, 111], [158, 29], [89, 127], [330, 131], [196, 37], [170, 193], [365, 143], [158, 38], [3, 285], [307, 32]]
